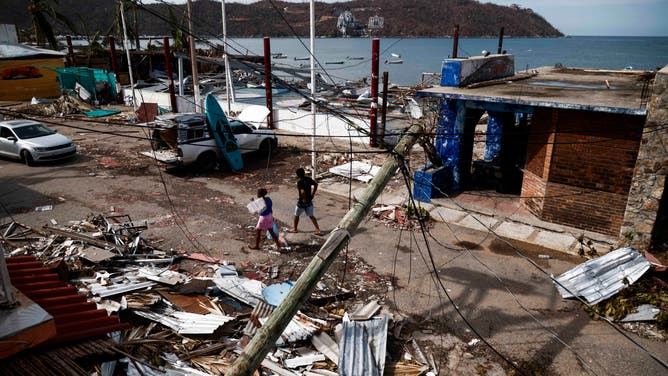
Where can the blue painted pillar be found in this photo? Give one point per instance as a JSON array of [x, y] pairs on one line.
[[450, 132], [494, 131]]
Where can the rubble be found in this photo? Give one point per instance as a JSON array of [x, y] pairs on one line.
[[191, 313]]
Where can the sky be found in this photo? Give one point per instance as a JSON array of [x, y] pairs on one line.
[[584, 17]]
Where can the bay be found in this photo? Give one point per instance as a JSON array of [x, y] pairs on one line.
[[426, 54]]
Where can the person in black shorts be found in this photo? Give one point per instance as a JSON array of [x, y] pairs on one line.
[[306, 188]]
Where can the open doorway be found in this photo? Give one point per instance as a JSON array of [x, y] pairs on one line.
[[499, 155]]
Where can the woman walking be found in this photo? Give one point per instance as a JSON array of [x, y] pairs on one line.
[[265, 222]]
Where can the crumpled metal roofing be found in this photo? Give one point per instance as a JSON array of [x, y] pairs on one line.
[[9, 51], [363, 346], [599, 279], [300, 328], [186, 322]]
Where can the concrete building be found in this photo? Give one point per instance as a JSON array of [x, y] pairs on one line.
[[579, 147]]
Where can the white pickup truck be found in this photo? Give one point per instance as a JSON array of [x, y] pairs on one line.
[[184, 139]]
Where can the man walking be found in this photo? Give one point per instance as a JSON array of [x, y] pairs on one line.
[[307, 188]]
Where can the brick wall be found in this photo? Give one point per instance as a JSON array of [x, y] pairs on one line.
[[586, 209], [582, 163], [533, 191], [596, 150]]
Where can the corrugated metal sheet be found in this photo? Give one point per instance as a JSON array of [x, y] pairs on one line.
[[601, 278], [186, 322], [243, 289], [301, 327], [362, 347]]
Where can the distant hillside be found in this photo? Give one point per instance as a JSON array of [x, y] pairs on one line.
[[402, 18]]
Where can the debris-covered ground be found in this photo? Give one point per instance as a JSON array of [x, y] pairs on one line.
[[194, 232]]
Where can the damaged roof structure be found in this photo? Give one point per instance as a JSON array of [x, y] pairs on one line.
[[579, 147]]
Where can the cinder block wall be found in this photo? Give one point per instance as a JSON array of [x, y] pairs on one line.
[[585, 161]]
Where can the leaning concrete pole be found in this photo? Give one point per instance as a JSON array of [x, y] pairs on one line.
[[265, 338]]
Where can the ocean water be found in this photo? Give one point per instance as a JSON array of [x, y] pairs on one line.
[[426, 54]]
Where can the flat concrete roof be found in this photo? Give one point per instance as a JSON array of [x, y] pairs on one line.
[[567, 88]]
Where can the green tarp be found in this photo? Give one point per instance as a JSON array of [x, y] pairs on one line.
[[101, 113], [100, 83]]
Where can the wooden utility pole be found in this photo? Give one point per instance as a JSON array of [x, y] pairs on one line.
[[265, 337]]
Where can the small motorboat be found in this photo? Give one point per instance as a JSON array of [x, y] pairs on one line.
[[334, 62], [394, 61]]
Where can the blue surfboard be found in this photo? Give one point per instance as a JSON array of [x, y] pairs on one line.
[[222, 132]]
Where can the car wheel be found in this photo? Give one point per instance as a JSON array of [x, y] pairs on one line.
[[267, 147], [206, 162], [26, 157]]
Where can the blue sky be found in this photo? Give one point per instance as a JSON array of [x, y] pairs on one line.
[[585, 17]]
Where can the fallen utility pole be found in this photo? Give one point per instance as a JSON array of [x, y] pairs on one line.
[[266, 336]]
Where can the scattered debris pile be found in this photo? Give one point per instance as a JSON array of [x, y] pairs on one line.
[[625, 286], [191, 314]]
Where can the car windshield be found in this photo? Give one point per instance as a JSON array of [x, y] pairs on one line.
[[32, 131]]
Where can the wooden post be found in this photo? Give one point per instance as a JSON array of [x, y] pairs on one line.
[[170, 78], [455, 42], [265, 337], [383, 111], [500, 48], [70, 52]]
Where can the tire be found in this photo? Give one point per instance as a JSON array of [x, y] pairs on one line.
[[26, 157], [267, 146], [206, 162]]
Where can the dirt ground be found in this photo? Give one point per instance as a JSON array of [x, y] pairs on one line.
[[206, 213]]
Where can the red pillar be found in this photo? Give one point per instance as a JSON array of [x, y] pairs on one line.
[[112, 52], [455, 42], [267, 82], [373, 118], [168, 68], [114, 65]]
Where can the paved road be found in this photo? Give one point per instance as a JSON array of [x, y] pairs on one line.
[[193, 212]]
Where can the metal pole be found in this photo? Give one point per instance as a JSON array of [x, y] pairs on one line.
[[265, 337], [383, 111], [455, 42], [126, 45], [314, 166], [193, 58], [373, 117], [267, 82], [168, 68], [180, 64], [228, 75], [498, 50]]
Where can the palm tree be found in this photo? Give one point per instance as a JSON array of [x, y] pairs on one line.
[[40, 12]]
